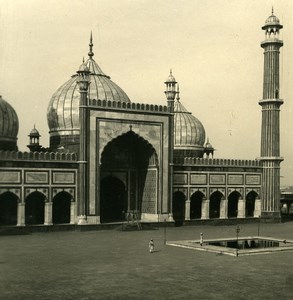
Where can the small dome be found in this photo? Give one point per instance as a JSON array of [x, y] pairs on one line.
[[272, 19], [34, 132], [171, 78], [208, 145], [8, 126], [83, 68], [189, 133]]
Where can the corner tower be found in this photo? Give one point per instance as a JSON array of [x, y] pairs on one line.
[[270, 129]]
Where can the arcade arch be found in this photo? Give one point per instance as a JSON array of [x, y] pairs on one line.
[[250, 203], [61, 208], [196, 205], [178, 208], [8, 208], [35, 208], [215, 203], [233, 204]]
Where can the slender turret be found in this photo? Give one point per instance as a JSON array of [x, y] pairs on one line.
[[270, 130]]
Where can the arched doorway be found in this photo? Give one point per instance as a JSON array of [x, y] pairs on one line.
[[35, 209], [113, 200], [233, 204], [8, 208], [195, 205], [178, 208], [215, 202], [250, 203], [129, 172], [61, 208]]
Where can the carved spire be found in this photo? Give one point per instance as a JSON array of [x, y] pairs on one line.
[[91, 53]]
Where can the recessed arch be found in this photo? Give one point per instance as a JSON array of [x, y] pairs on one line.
[[35, 208], [8, 208], [61, 208], [132, 157], [215, 203], [233, 204], [250, 203], [196, 205], [178, 208]]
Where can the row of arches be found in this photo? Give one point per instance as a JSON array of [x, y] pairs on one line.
[[214, 209], [35, 208]]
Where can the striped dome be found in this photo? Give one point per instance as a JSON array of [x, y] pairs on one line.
[[8, 126], [189, 133], [63, 109]]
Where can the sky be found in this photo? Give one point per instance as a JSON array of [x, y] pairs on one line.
[[212, 47]]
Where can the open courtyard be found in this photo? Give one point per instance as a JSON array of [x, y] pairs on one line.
[[115, 264]]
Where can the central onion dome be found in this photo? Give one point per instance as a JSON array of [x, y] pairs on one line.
[[63, 109], [189, 133], [8, 126]]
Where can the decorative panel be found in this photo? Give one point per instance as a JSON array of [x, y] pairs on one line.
[[198, 178], [217, 179], [202, 190], [10, 177], [36, 177], [63, 177], [253, 179], [182, 190], [239, 190], [149, 192], [235, 179], [70, 191], [180, 178]]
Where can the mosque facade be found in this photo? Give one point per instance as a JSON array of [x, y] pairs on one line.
[[111, 159]]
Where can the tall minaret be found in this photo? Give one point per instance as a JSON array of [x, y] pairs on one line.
[[170, 93], [270, 129]]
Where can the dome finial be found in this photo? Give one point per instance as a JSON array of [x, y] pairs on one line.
[[272, 10], [178, 92], [91, 53]]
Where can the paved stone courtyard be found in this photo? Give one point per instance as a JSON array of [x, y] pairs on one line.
[[115, 264]]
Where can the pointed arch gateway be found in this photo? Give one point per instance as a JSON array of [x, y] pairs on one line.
[[129, 173]]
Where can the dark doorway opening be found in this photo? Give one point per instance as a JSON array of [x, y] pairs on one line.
[[61, 208], [113, 200], [250, 203], [178, 208], [196, 205], [35, 209], [215, 202], [233, 204], [8, 208]]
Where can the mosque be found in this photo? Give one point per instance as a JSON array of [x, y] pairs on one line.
[[111, 159]]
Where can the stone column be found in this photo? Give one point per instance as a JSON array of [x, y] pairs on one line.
[[187, 210], [257, 208], [72, 212], [241, 208], [205, 209], [21, 214], [48, 213], [224, 209]]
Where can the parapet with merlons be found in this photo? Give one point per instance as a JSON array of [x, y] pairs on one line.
[[220, 162], [139, 107], [37, 156]]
